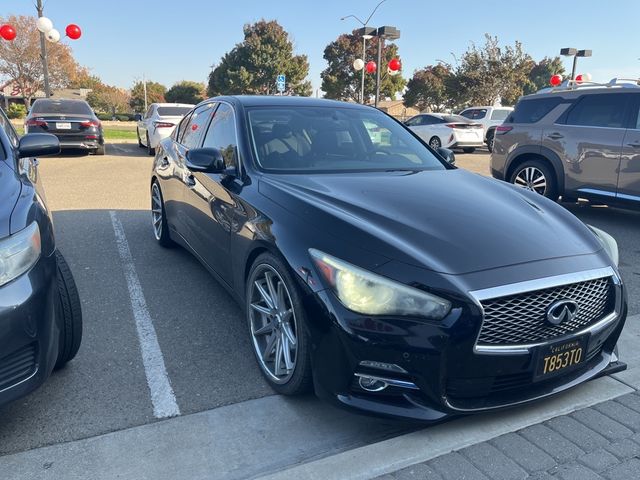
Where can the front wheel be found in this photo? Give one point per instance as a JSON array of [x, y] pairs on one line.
[[536, 176], [159, 217], [69, 312], [435, 143], [276, 320]]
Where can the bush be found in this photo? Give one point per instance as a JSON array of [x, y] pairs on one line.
[[122, 118], [17, 110], [104, 116]]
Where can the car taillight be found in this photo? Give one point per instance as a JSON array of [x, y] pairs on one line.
[[163, 124], [451, 125], [502, 129], [35, 123], [90, 123]]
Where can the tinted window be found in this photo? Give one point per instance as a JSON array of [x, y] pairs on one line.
[[533, 110], [302, 139], [196, 126], [467, 113], [415, 121], [61, 107], [433, 120], [599, 111], [475, 113], [222, 135], [178, 132], [5, 124], [500, 114], [173, 111]]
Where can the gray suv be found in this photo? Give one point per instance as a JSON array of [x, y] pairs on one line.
[[574, 142]]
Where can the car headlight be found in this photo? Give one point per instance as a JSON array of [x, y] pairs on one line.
[[370, 294], [19, 252], [608, 242]]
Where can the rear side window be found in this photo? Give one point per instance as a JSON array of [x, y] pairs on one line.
[[533, 110], [599, 111], [500, 114]]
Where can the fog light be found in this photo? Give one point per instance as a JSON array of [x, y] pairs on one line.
[[371, 384]]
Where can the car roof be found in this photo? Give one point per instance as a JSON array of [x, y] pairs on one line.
[[577, 92], [173, 104], [286, 101]]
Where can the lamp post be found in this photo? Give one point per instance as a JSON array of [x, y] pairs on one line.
[[367, 34], [390, 33], [575, 53]]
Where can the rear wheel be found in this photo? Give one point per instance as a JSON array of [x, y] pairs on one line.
[[536, 176], [69, 313], [150, 151], [469, 150], [276, 321], [435, 143], [100, 150]]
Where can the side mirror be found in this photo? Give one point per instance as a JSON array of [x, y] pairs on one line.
[[137, 117], [448, 155], [38, 145], [208, 160]]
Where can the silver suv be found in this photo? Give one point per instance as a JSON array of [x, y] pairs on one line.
[[575, 142]]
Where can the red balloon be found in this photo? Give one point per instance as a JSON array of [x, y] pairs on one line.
[[555, 80], [395, 65], [371, 67], [7, 32], [73, 31], [579, 78]]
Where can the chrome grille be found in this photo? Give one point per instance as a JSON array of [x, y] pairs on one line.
[[521, 318]]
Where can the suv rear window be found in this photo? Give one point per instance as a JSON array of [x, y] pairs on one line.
[[606, 110], [68, 107], [533, 110]]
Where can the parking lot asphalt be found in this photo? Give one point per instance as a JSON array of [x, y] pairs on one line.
[[201, 334]]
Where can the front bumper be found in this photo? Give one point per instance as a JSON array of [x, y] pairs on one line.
[[440, 373], [29, 334]]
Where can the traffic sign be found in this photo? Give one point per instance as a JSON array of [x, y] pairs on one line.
[[281, 82]]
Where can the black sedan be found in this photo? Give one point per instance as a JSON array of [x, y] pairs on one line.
[[72, 121], [40, 314], [376, 273]]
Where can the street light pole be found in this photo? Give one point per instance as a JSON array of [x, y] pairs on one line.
[[380, 48], [43, 53]]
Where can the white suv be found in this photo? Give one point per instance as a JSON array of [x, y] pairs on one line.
[[489, 117]]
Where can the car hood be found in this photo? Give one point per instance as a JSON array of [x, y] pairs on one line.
[[449, 221], [9, 192]]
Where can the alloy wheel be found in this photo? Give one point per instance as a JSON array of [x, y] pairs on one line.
[[531, 178], [156, 211], [434, 143], [273, 324]]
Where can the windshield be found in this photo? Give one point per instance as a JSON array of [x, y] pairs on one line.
[[61, 107], [329, 139], [173, 111]]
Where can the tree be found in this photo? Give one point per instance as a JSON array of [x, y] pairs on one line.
[[20, 59], [186, 92], [155, 94], [341, 81], [486, 75], [541, 73], [84, 79], [253, 64], [109, 99], [428, 88]]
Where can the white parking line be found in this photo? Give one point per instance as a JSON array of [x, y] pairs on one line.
[[162, 396]]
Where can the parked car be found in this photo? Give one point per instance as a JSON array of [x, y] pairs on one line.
[[449, 131], [579, 142], [158, 123], [489, 118], [349, 248], [72, 121], [40, 314]]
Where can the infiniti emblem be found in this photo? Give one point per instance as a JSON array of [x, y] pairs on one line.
[[562, 311]]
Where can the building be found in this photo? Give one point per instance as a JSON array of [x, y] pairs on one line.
[[396, 109], [10, 92]]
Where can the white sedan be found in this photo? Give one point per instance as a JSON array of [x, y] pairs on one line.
[[449, 131], [158, 123]]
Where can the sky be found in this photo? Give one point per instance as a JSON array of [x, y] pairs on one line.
[[168, 41]]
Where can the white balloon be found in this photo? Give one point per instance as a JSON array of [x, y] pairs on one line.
[[44, 24], [586, 77], [358, 64], [53, 35], [393, 73]]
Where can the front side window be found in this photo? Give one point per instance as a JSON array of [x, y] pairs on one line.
[[222, 135], [5, 124], [323, 139], [182, 126], [606, 110], [195, 127]]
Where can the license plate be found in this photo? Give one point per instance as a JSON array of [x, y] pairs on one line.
[[560, 357], [63, 126]]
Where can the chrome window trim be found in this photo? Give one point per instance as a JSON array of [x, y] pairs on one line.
[[541, 284]]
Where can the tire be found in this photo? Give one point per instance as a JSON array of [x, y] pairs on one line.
[[150, 151], [295, 377], [140, 144], [491, 134], [159, 217], [527, 175], [469, 150], [69, 311], [435, 143], [100, 150]]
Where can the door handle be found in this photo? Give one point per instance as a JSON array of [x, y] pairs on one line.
[[164, 162], [555, 136], [634, 144], [190, 181]]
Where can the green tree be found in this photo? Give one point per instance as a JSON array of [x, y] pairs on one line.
[[252, 65], [16, 110], [108, 99], [155, 94], [541, 73], [428, 88], [186, 92], [341, 81], [490, 73]]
